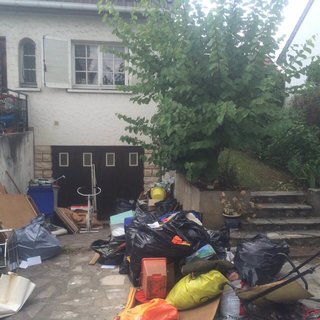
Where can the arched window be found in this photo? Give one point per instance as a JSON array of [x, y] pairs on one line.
[[27, 65]]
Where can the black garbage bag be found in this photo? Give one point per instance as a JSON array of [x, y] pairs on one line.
[[257, 259], [111, 251], [123, 205], [35, 240], [175, 240], [165, 206], [220, 241]]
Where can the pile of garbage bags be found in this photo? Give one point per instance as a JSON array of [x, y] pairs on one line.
[[204, 266]]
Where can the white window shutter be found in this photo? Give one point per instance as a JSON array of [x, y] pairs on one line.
[[56, 63]]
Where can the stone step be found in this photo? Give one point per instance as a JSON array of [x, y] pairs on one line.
[[280, 224], [274, 210], [278, 196], [293, 238]]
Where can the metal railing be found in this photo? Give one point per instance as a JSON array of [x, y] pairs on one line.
[[13, 111]]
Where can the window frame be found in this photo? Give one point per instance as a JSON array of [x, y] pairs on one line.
[[114, 159], [21, 49], [100, 46], [136, 164], [84, 154], [68, 160]]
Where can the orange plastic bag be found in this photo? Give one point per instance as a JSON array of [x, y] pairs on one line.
[[155, 309]]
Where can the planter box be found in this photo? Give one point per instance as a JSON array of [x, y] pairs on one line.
[[206, 202]]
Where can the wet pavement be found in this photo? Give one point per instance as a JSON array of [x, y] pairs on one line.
[[67, 287]]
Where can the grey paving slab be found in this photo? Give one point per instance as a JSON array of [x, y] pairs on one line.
[[67, 287]]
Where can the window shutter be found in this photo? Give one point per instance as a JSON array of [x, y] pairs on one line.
[[56, 63]]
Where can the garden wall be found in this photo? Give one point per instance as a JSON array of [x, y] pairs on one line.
[[206, 202]]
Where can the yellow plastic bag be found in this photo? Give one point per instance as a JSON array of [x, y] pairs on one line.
[[189, 292], [155, 309]]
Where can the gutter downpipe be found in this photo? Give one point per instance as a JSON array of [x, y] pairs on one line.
[[57, 5]]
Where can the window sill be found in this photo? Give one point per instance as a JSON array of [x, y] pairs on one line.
[[113, 91], [29, 89]]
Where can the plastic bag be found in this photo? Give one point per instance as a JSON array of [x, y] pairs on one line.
[[155, 309], [123, 205], [34, 240], [257, 261], [220, 239], [111, 251], [230, 305], [191, 292], [144, 242]]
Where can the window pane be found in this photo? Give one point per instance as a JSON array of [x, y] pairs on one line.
[[63, 159], [92, 78], [29, 62], [92, 52], [29, 49], [87, 159], [108, 65], [92, 65], [118, 66], [80, 50], [110, 159], [133, 159], [119, 49], [80, 78], [119, 78], [29, 76], [107, 55], [80, 64], [108, 79]]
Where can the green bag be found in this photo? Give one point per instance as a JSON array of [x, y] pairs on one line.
[[189, 292]]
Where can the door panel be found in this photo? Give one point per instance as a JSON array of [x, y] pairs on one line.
[[119, 181]]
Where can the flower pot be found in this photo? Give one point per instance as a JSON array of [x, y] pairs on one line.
[[232, 221]]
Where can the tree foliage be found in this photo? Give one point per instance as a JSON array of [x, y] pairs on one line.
[[210, 75]]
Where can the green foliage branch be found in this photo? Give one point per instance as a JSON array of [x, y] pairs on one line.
[[209, 75]]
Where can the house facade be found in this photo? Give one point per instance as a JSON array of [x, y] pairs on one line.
[[54, 52]]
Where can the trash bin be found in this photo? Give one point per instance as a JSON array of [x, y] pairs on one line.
[[43, 196]]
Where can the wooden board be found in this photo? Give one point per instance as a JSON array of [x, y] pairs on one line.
[[65, 215], [3, 189], [94, 259], [206, 311], [16, 210]]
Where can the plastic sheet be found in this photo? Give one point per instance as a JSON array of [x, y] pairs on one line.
[[111, 251], [34, 240], [257, 259]]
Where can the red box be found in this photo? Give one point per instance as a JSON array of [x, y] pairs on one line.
[[154, 277]]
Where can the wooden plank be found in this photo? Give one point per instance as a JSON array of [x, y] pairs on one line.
[[94, 259], [3, 189], [64, 215], [16, 210]]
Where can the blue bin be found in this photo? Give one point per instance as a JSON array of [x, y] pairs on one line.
[[43, 196]]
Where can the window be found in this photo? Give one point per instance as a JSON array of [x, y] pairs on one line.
[[110, 159], [87, 159], [93, 66], [63, 159], [133, 159], [27, 63]]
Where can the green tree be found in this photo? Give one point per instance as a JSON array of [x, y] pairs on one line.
[[209, 74]]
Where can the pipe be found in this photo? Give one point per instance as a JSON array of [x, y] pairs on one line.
[[57, 5]]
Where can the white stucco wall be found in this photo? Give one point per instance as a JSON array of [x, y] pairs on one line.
[[57, 116]]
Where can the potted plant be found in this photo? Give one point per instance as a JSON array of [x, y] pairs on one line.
[[234, 208]]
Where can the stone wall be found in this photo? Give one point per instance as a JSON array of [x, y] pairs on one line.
[[150, 172], [43, 162]]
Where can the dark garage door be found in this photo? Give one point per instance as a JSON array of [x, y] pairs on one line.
[[119, 173]]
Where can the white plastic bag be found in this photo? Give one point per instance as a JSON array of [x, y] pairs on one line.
[[230, 306]]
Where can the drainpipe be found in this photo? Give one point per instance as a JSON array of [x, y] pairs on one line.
[[294, 32], [57, 5]]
